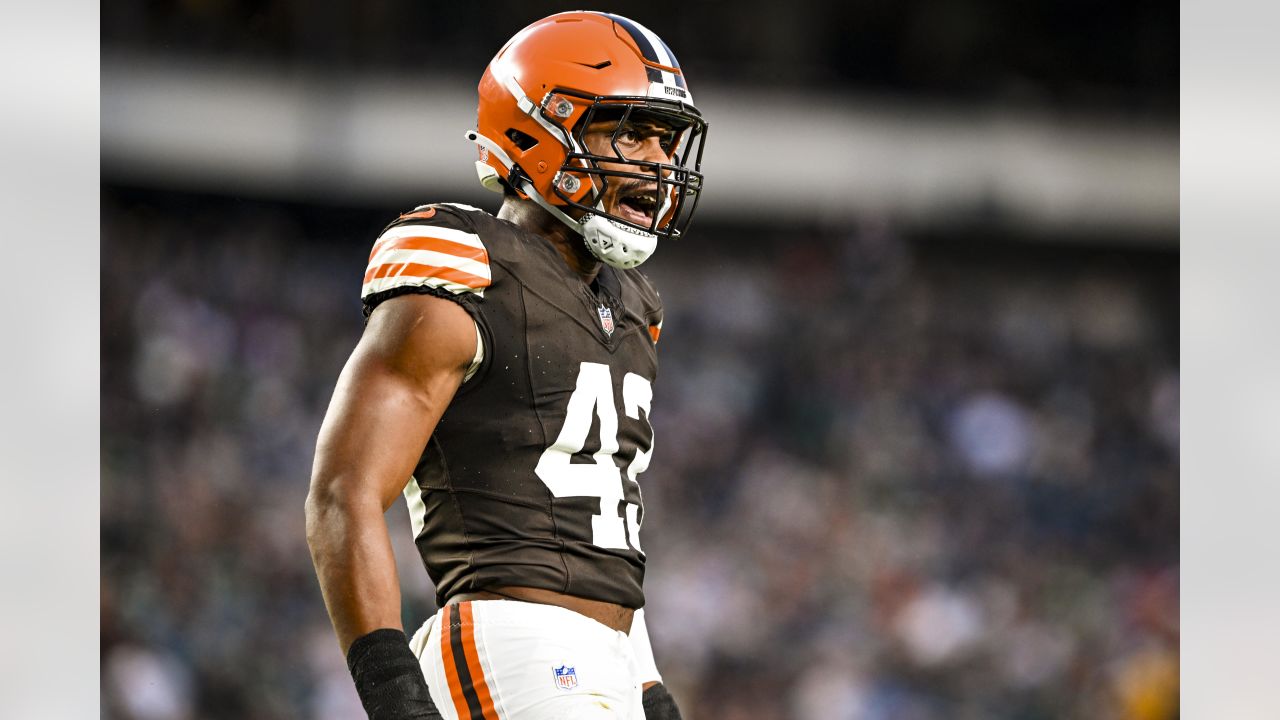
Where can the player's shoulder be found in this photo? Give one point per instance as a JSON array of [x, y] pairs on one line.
[[498, 236], [438, 249], [456, 216]]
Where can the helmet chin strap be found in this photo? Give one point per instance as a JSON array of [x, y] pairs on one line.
[[614, 243]]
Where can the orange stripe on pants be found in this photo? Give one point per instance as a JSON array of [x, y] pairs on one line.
[[472, 654], [450, 670]]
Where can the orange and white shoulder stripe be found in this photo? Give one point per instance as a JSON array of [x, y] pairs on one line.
[[438, 257]]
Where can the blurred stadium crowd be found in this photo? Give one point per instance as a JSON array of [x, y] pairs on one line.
[[1065, 55], [895, 479]]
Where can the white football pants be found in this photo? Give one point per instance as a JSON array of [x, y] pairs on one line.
[[510, 660]]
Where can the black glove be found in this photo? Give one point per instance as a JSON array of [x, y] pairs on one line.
[[389, 678], [659, 705]]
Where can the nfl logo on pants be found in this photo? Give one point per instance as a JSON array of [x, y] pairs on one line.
[[566, 678]]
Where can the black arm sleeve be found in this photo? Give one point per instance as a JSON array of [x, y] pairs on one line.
[[659, 705], [389, 678]]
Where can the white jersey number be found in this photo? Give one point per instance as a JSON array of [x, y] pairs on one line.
[[601, 478]]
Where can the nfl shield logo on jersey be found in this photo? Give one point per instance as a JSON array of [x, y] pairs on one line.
[[606, 319], [566, 677]]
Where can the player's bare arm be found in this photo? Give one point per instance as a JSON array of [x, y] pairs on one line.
[[398, 381]]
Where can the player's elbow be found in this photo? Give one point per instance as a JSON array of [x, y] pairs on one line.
[[330, 504], [316, 507]]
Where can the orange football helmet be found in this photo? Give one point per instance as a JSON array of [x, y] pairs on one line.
[[552, 80]]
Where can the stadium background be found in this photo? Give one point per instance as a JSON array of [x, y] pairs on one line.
[[917, 422]]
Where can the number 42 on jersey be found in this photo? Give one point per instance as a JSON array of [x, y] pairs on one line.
[[602, 478]]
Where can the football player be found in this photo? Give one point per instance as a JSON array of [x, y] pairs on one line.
[[505, 374]]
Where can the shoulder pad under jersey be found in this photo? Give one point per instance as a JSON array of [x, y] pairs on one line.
[[432, 249]]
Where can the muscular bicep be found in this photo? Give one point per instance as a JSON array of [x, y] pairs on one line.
[[396, 385]]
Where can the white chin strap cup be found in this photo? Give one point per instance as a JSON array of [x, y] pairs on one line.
[[616, 244], [620, 245]]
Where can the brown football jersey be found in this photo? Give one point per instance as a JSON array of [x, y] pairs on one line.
[[530, 476]]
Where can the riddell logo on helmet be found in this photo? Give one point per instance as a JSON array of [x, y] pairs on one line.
[[674, 91]]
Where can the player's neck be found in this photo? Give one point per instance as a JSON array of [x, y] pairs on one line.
[[527, 215]]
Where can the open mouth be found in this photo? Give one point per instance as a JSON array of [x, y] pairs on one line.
[[638, 207]]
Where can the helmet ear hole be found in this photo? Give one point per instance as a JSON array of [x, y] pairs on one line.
[[522, 140]]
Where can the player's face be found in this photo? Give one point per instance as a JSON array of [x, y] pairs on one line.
[[640, 138]]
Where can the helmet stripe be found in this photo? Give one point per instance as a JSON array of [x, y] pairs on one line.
[[653, 49], [646, 47], [674, 63]]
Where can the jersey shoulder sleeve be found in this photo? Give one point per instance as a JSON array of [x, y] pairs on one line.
[[433, 249]]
